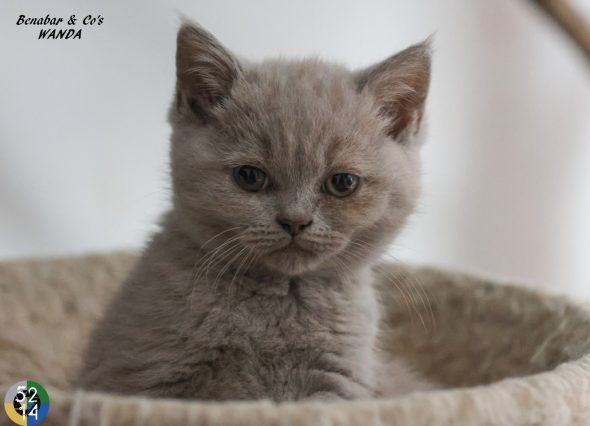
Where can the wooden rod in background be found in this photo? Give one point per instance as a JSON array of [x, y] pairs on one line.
[[570, 20]]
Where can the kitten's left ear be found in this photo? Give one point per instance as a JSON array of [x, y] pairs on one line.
[[400, 85]]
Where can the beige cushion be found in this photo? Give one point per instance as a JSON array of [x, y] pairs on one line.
[[508, 355]]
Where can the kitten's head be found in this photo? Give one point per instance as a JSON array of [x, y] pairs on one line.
[[294, 165]]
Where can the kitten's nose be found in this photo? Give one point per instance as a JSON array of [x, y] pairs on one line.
[[294, 225]]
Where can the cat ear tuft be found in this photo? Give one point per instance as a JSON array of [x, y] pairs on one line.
[[400, 85], [205, 71]]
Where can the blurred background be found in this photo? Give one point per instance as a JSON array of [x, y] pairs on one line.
[[84, 137]]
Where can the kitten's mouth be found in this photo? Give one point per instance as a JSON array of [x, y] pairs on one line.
[[291, 258], [295, 246], [292, 246]]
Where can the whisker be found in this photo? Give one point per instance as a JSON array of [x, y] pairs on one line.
[[224, 261], [228, 264], [399, 285], [420, 286], [368, 245], [208, 258], [207, 242], [407, 294], [218, 235], [247, 264], [237, 271], [343, 265]]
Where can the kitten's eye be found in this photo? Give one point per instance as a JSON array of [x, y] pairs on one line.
[[250, 178], [341, 184]]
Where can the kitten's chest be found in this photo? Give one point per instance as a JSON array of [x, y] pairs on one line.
[[295, 316], [286, 342], [281, 317]]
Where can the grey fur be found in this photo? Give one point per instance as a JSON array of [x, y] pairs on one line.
[[224, 304]]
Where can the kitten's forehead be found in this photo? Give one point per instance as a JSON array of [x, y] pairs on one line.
[[301, 115]]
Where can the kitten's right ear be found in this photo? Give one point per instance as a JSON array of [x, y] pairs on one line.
[[205, 71]]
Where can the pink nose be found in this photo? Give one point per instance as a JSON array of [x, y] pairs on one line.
[[294, 225]]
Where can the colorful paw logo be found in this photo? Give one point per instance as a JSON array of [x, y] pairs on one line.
[[26, 403]]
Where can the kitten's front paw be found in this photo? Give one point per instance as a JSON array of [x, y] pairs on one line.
[[327, 396]]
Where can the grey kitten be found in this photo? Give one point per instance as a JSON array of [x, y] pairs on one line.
[[290, 178]]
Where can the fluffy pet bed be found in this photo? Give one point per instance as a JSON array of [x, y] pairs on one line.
[[505, 355]]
